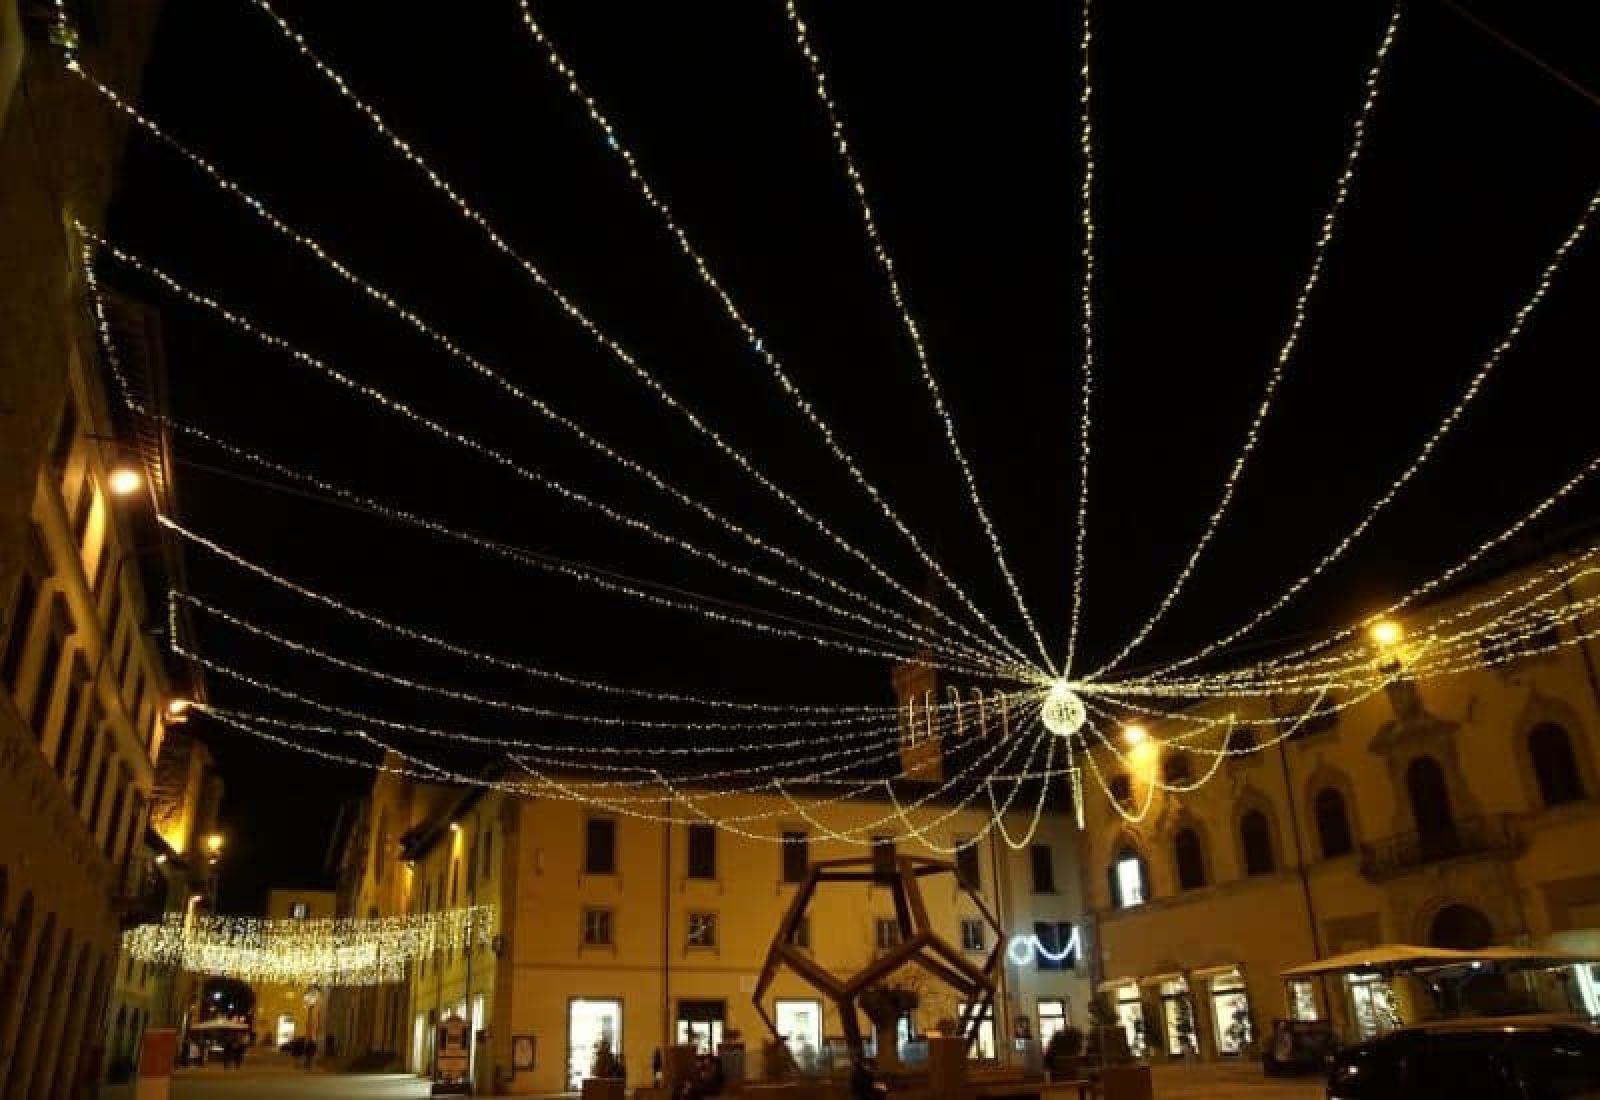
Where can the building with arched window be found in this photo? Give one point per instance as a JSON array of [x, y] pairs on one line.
[[1453, 810]]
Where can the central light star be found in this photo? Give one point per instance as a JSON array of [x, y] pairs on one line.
[[1063, 712]]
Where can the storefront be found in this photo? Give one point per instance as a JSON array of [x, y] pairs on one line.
[[589, 1023], [700, 1024], [800, 1023], [1232, 1023]]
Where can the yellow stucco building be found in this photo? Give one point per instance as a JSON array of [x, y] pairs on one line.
[[650, 928], [284, 1012], [1454, 811]]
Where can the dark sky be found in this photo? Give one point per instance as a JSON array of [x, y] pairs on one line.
[[1219, 133]]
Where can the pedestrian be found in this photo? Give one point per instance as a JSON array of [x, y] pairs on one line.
[[311, 1052], [655, 1066]]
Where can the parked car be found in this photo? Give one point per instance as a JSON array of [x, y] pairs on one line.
[[295, 1046], [1501, 1058]]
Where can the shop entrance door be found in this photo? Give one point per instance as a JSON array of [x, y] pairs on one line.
[[589, 1022], [700, 1023]]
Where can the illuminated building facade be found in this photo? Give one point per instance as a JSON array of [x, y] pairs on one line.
[[1456, 811], [83, 684]]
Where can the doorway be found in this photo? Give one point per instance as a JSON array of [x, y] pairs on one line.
[[589, 1023], [800, 1022], [700, 1024], [1461, 927]]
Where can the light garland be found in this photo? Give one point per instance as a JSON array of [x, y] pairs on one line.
[[381, 297], [1286, 350], [1086, 330], [885, 263], [340, 951], [1496, 355]]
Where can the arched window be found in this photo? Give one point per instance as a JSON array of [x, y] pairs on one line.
[[1241, 739], [1554, 766], [1128, 879], [1255, 836], [1175, 767], [1121, 788], [1333, 824], [1430, 798], [1191, 861]]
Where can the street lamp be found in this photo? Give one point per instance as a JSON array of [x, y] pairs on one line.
[[125, 480]]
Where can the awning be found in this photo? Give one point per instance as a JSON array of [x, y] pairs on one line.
[[1112, 984], [1206, 972], [1403, 956], [220, 1025], [1161, 979]]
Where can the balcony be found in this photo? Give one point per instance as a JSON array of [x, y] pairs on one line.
[[1491, 837]]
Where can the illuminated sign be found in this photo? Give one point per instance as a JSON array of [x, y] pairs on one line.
[[1024, 949]]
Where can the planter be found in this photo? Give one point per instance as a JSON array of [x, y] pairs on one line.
[[605, 1088], [1126, 1083]]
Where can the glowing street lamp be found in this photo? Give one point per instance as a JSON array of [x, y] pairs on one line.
[[1386, 633], [125, 480]]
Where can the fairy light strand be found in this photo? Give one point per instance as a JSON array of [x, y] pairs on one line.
[[1286, 350], [885, 264]]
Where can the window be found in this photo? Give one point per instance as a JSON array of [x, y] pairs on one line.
[[455, 879], [1554, 766], [66, 435], [70, 724], [1333, 824], [1121, 788], [1052, 1018], [886, 933], [1175, 768], [299, 910], [983, 1049], [597, 928], [1190, 859], [1255, 837], [45, 687], [883, 855], [1241, 739], [702, 851], [1044, 869], [702, 930], [81, 510], [967, 871], [488, 853], [972, 934], [17, 631], [1127, 880], [1057, 946], [99, 789], [801, 936], [600, 846], [796, 857]]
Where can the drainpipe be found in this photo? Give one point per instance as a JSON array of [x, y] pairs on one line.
[[1002, 1038], [1583, 647], [666, 935], [1300, 858]]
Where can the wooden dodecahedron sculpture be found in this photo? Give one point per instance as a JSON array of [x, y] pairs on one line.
[[919, 944]]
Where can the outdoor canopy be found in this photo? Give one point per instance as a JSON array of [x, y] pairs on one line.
[[220, 1024], [1405, 956]]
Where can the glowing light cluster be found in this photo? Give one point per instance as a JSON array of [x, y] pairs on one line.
[[321, 951]]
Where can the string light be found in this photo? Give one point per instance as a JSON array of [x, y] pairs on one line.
[[885, 263], [1507, 342], [1086, 329], [564, 302], [337, 951], [1286, 350], [561, 490]]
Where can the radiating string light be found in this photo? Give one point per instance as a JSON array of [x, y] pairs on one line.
[[810, 722], [1501, 349], [399, 408], [562, 300], [1086, 326], [885, 263], [1286, 350]]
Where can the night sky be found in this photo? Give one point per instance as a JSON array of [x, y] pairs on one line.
[[1219, 132]]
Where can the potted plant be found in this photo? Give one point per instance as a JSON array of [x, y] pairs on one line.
[[884, 1005], [606, 1080]]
